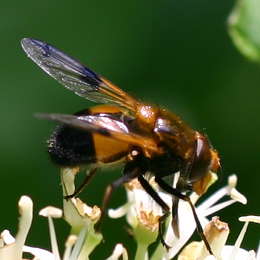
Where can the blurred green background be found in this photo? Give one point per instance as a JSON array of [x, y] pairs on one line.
[[174, 53]]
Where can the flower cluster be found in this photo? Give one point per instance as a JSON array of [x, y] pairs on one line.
[[142, 215]]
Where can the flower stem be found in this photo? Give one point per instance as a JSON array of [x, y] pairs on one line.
[[141, 252], [158, 253], [92, 240]]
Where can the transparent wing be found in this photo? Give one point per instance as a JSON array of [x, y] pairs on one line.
[[104, 126], [75, 76]]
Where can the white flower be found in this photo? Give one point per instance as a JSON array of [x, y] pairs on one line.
[[12, 248], [217, 234], [141, 204], [143, 215], [80, 216]]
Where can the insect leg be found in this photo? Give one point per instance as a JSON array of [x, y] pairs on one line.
[[166, 187], [175, 217], [149, 189], [83, 185], [129, 175]]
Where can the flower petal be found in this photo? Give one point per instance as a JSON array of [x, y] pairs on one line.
[[39, 253], [118, 252]]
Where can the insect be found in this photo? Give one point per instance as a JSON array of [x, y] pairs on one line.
[[147, 138]]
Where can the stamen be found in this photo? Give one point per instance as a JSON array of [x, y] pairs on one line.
[[215, 197], [79, 243], [255, 219], [68, 246], [50, 212], [25, 205], [236, 195], [232, 181], [239, 241], [217, 207]]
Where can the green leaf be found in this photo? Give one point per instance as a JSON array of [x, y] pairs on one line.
[[244, 28]]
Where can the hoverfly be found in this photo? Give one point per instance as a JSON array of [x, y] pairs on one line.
[[146, 137]]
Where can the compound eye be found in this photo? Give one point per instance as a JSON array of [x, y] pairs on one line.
[[200, 144], [201, 160]]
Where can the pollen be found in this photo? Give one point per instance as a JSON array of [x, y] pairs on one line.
[[149, 220]]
